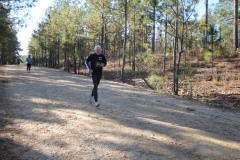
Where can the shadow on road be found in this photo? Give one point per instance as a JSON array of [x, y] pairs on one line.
[[132, 121]]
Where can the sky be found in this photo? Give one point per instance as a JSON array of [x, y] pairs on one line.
[[38, 12], [201, 6]]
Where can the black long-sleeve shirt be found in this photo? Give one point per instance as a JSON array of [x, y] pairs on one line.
[[96, 61]]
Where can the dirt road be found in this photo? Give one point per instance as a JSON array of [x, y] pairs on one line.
[[45, 115]]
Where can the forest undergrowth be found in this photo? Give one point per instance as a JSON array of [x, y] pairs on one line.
[[217, 86]]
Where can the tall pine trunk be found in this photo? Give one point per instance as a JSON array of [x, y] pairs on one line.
[[235, 25], [154, 28], [175, 74], [165, 46], [206, 26], [134, 42], [125, 39]]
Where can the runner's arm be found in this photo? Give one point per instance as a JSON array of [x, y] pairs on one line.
[[104, 62], [87, 63]]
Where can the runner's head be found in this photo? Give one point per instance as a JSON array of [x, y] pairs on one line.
[[98, 49]]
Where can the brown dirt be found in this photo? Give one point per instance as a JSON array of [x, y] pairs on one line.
[[45, 115]]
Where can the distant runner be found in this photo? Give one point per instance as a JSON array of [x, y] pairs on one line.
[[18, 60], [98, 61], [29, 63]]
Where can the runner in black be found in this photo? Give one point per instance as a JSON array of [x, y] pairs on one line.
[[98, 61]]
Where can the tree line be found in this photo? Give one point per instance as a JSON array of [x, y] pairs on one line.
[[8, 39], [9, 25]]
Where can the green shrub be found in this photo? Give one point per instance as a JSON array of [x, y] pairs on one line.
[[207, 56], [219, 53], [148, 58], [222, 52], [157, 81]]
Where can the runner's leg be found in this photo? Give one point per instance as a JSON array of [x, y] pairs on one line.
[[95, 87]]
